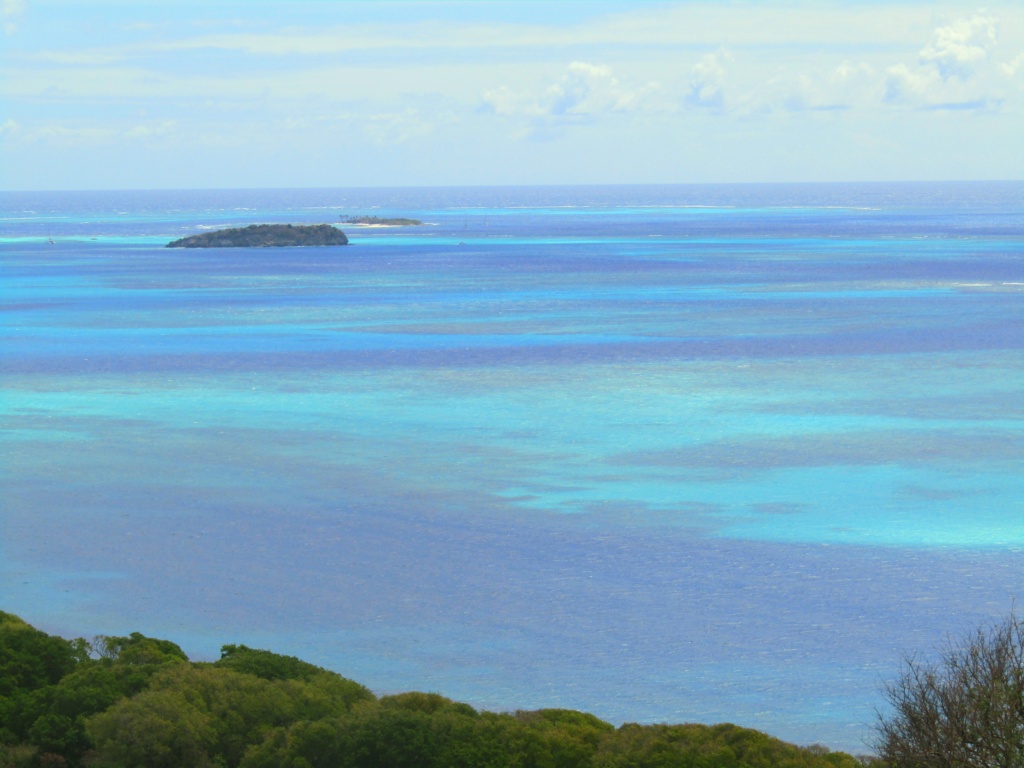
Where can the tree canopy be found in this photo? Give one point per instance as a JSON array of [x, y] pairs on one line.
[[265, 236], [139, 702]]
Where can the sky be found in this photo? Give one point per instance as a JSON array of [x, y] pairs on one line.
[[140, 94]]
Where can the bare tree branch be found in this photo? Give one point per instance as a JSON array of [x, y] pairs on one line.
[[965, 711]]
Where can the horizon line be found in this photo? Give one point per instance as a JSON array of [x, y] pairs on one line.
[[591, 185]]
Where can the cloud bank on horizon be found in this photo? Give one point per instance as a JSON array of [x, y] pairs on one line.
[[116, 94]]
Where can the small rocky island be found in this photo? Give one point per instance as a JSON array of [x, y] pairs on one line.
[[265, 236]]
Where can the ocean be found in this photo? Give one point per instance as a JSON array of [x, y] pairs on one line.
[[663, 454]]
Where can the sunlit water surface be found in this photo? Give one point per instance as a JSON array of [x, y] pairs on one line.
[[659, 453]]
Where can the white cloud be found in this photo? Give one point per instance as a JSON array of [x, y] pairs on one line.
[[922, 88], [744, 86], [149, 131], [905, 85], [390, 128], [773, 72], [662, 24], [71, 135], [957, 49], [956, 70], [402, 123], [956, 66], [584, 89], [1010, 67], [64, 133], [707, 79], [78, 58], [853, 84], [11, 10], [505, 101]]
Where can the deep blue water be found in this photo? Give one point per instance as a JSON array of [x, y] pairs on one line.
[[716, 453]]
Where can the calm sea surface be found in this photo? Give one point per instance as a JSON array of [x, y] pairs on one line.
[[664, 454]]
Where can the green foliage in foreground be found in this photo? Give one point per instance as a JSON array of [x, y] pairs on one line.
[[138, 702]]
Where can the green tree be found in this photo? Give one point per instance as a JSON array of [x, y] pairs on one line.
[[413, 730], [31, 662], [136, 648], [223, 713], [266, 664], [305, 744], [53, 717], [501, 741], [31, 659], [155, 729], [570, 738], [18, 756], [702, 746], [428, 703]]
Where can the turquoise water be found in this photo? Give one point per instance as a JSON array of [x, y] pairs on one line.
[[603, 448]]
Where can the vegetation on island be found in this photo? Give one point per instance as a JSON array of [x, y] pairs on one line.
[[377, 221], [138, 702], [265, 236]]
